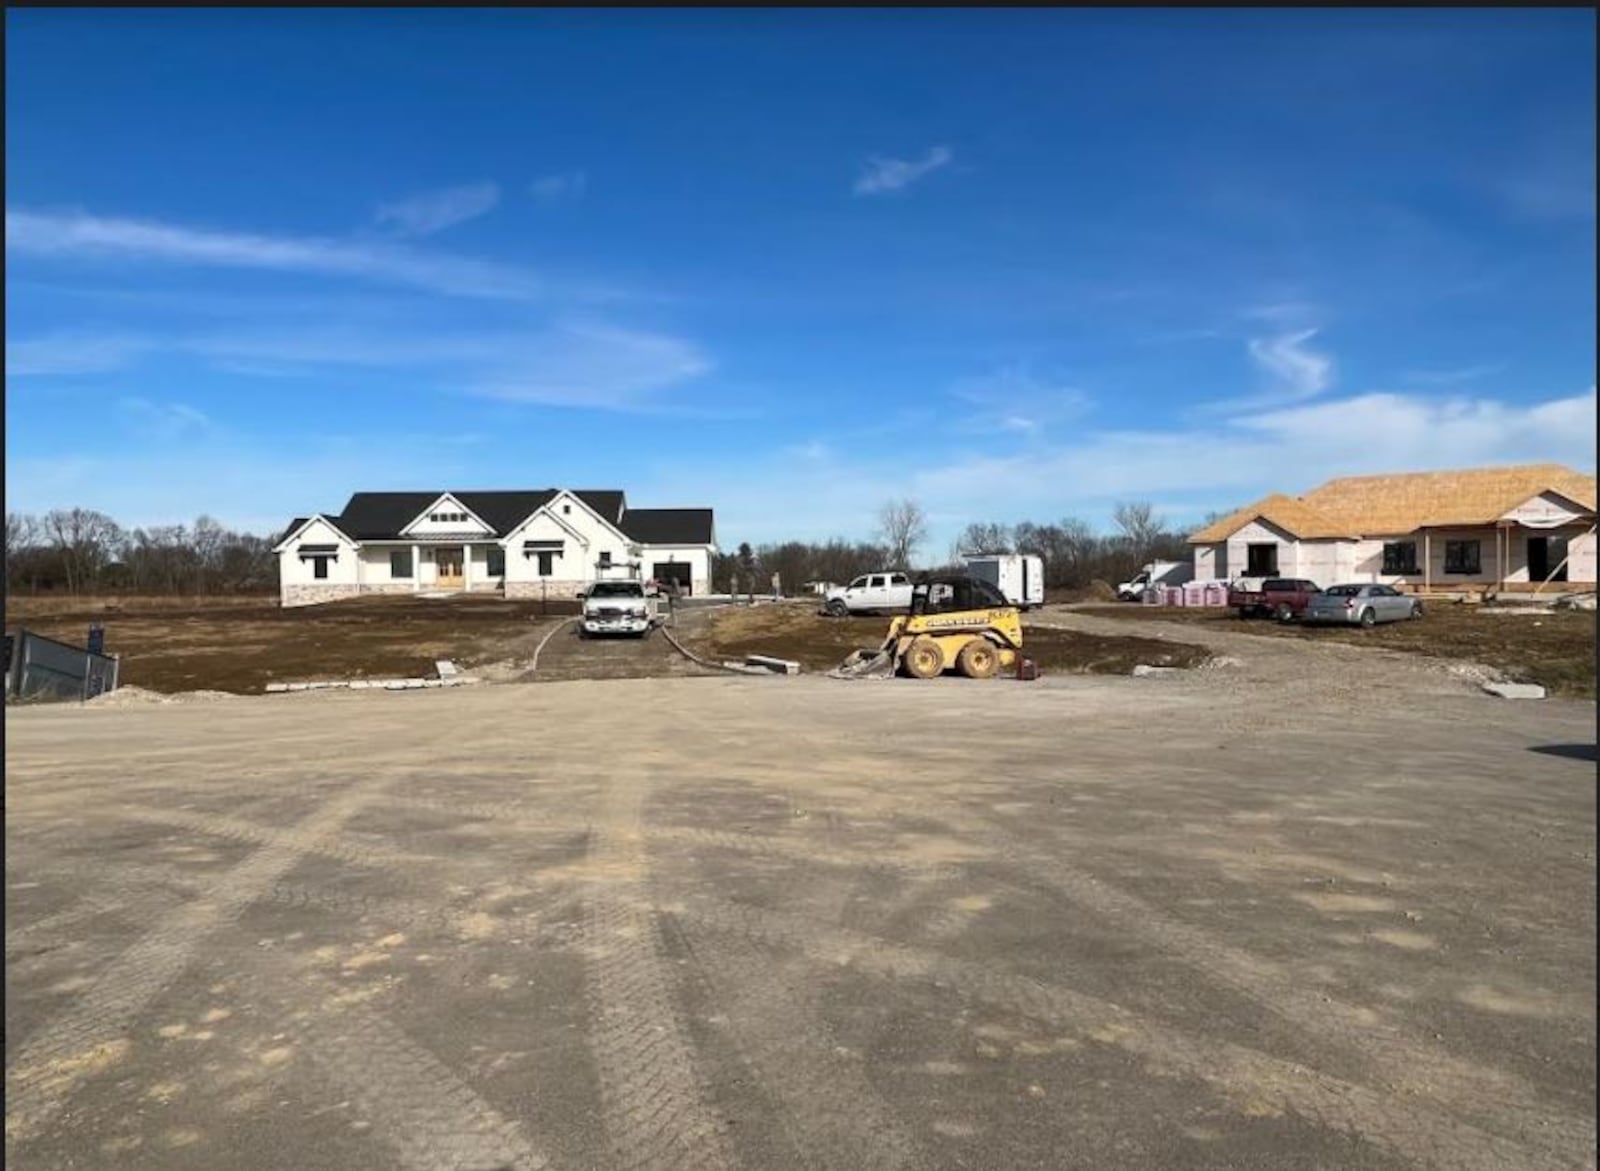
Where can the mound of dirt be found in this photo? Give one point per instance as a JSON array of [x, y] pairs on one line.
[[1095, 591]]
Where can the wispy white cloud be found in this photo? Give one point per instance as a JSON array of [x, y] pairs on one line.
[[1192, 471], [564, 185], [72, 353], [1014, 400], [595, 366], [1298, 371], [1452, 377], [433, 211], [163, 421], [79, 236], [569, 363], [880, 174]]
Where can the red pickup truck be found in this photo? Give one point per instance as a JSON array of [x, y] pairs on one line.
[[1285, 598]]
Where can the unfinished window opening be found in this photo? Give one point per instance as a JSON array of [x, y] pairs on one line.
[[1462, 557], [1400, 557], [1261, 560]]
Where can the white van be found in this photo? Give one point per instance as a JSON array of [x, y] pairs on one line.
[[1019, 576]]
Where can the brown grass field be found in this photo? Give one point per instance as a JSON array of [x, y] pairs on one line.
[[242, 644], [1556, 650], [795, 631]]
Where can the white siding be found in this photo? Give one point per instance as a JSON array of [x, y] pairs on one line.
[[426, 527], [586, 538], [698, 558], [292, 570], [375, 566]]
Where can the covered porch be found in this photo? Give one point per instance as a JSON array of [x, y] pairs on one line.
[[1510, 556], [450, 563]]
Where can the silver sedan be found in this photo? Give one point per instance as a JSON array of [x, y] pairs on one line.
[[1364, 605]]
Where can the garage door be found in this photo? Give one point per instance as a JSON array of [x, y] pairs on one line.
[[678, 571]]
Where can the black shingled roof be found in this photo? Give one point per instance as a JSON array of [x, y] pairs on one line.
[[374, 516], [668, 526]]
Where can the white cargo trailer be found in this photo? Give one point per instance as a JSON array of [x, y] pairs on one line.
[[1019, 576]]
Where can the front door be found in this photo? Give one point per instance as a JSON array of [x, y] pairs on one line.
[[448, 562], [1547, 559]]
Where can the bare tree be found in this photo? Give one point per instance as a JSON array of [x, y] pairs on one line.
[[990, 537], [903, 526], [86, 540], [1139, 524]]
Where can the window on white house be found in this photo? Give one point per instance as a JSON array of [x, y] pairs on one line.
[[1400, 557], [1462, 556], [497, 562], [319, 567], [400, 563], [605, 559], [547, 564]]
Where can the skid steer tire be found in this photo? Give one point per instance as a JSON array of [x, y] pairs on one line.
[[978, 659], [924, 659]]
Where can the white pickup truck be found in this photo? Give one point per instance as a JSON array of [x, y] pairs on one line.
[[871, 593], [616, 607]]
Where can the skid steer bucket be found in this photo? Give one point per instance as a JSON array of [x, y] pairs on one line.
[[867, 663]]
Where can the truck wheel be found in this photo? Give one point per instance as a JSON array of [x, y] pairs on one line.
[[837, 609], [1285, 612], [1368, 617], [925, 658], [978, 659]]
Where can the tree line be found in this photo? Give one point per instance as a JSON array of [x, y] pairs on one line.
[[1074, 554], [80, 550]]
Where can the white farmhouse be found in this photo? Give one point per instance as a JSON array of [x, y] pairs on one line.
[[547, 542], [1507, 527]]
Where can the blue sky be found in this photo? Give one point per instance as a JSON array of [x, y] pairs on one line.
[[1014, 264]]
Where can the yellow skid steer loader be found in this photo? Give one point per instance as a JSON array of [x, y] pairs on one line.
[[954, 621]]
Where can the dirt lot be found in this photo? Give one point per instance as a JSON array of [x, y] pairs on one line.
[[1233, 918], [241, 645], [1556, 650], [796, 631]]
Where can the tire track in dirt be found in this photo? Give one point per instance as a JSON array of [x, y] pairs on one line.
[[829, 1111], [653, 1103], [1406, 1129], [428, 1115], [141, 895], [1405, 1065], [326, 845], [90, 1033]]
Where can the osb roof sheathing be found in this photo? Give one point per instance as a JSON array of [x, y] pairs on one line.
[[1387, 505]]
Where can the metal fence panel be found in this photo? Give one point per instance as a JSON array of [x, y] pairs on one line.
[[43, 669]]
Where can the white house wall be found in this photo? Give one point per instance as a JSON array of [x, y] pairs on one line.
[[1581, 557], [1259, 532], [698, 558], [1211, 562]]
